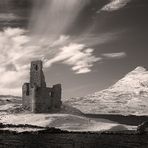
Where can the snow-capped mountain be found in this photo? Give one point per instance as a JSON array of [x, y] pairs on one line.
[[128, 96]]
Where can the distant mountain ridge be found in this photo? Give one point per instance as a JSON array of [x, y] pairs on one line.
[[128, 96]]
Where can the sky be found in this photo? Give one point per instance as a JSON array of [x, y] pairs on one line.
[[86, 45]]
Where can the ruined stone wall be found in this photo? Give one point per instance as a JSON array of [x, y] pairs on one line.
[[36, 96], [56, 94], [26, 99], [42, 100], [46, 99]]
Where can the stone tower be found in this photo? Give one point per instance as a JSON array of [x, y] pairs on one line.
[[38, 98], [36, 74]]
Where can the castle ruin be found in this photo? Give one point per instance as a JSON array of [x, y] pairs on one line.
[[38, 98]]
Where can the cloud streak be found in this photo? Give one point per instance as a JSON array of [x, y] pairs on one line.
[[117, 55], [115, 5], [18, 49], [78, 56]]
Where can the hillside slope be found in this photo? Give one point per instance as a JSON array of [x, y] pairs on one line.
[[128, 96], [68, 118]]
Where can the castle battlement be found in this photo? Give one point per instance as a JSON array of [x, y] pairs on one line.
[[38, 98]]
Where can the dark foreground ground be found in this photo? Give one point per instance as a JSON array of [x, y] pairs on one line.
[[73, 140], [55, 138]]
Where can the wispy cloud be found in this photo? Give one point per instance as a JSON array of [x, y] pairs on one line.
[[115, 5], [78, 56], [117, 55], [12, 60], [18, 50]]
